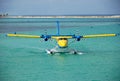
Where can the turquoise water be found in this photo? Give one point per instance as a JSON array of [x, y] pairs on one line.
[[24, 59]]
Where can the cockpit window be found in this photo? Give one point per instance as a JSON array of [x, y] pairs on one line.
[[62, 38]]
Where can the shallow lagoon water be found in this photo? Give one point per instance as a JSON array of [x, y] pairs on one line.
[[24, 59]]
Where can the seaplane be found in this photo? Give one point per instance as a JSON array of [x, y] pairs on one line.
[[62, 40]]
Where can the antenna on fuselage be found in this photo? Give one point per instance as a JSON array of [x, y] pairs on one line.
[[58, 28]]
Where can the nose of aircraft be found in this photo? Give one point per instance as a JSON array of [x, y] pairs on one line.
[[62, 43]]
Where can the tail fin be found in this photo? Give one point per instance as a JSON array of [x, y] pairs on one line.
[[58, 28]]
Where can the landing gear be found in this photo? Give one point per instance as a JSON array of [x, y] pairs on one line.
[[74, 52], [50, 52], [61, 51]]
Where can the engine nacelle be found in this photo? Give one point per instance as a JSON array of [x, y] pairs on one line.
[[78, 39], [45, 39]]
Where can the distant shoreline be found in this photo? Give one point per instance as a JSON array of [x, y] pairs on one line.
[[113, 16]]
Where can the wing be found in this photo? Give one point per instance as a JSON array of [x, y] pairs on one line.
[[98, 35], [23, 35], [45, 37], [61, 36], [94, 36]]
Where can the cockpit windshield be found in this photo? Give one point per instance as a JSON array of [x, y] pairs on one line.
[[62, 38]]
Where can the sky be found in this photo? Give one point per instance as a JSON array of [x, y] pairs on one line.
[[60, 7]]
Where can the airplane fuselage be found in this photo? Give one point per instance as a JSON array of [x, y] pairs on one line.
[[62, 42]]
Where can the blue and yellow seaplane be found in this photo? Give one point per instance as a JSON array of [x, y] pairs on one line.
[[62, 40]]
